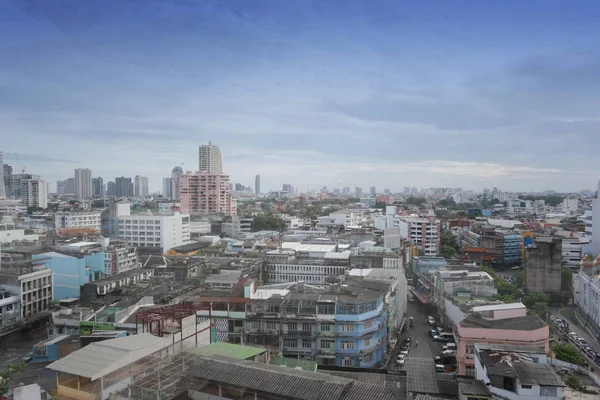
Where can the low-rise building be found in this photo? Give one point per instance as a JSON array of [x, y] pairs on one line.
[[505, 324], [465, 283], [10, 233], [158, 231], [119, 257], [286, 266], [78, 219]]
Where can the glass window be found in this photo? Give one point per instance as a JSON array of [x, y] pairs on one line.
[[347, 328], [347, 345]]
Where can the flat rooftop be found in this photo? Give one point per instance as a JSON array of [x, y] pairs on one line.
[[526, 323]]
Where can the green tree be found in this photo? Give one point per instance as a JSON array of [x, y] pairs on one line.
[[416, 201], [537, 302], [266, 221], [566, 280], [567, 353], [447, 251]]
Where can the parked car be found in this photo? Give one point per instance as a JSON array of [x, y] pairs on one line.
[[27, 357], [430, 320], [441, 338], [400, 362], [407, 340], [440, 369], [448, 352], [434, 332], [449, 346], [437, 359]]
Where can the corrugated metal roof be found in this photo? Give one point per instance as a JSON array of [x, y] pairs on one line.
[[537, 374], [421, 376], [29, 392], [100, 358], [229, 350]]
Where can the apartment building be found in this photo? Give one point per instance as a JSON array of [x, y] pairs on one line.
[[78, 219], [423, 231], [341, 218], [500, 246], [140, 186], [588, 297], [286, 266], [464, 283], [543, 265], [209, 159], [10, 310], [34, 192], [506, 324], [119, 257], [83, 183], [160, 231], [168, 208], [344, 327], [204, 193], [32, 283], [10, 233]]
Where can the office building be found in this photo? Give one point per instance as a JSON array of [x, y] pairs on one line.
[[83, 183], [287, 188], [209, 157], [31, 282], [423, 231], [141, 186], [97, 187], [60, 187], [34, 193], [124, 187], [206, 194], [111, 189], [2, 172], [161, 231], [167, 188], [357, 191], [13, 184], [257, 184], [176, 183], [70, 186]]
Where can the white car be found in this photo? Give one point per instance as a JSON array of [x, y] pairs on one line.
[[404, 352], [400, 361]]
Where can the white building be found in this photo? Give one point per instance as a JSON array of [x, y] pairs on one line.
[[464, 283], [11, 207], [570, 206], [287, 266], [176, 183], [587, 217], [83, 183], [34, 192], [78, 219], [209, 159], [340, 218], [2, 184], [168, 208], [423, 231], [140, 188], [292, 222], [164, 231], [10, 233], [572, 251], [119, 257], [32, 284]]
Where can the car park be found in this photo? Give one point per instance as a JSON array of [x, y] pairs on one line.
[[449, 346]]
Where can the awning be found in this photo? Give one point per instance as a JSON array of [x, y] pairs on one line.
[[422, 298]]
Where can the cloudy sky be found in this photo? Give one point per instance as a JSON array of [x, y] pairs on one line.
[[382, 93]]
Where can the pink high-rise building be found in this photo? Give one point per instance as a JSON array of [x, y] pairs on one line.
[[204, 193]]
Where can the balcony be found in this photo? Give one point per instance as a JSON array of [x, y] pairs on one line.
[[328, 352]]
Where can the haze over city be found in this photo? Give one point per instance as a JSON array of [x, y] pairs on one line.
[[460, 94]]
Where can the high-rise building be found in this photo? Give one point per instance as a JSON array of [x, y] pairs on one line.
[[124, 187], [111, 189], [2, 173], [141, 186], [387, 191], [346, 190], [257, 184], [373, 191], [97, 187], [209, 157], [176, 183], [34, 192], [167, 187], [288, 188], [357, 191], [60, 187], [206, 194], [83, 183], [70, 186]]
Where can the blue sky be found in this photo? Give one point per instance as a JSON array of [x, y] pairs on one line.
[[379, 93]]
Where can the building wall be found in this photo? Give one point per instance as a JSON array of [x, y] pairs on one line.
[[206, 194], [36, 290], [9, 234], [589, 297], [83, 183], [10, 310], [34, 192], [543, 266], [85, 219], [70, 273], [165, 231]]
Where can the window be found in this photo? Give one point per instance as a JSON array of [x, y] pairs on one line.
[[306, 327], [326, 327], [292, 327], [347, 345], [368, 324], [290, 344], [470, 371], [347, 328], [368, 358], [346, 362], [524, 386], [271, 326], [306, 343], [328, 344], [368, 341], [470, 348]]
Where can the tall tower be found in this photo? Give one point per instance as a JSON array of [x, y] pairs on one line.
[[209, 159], [176, 183], [83, 183], [2, 187], [257, 184]]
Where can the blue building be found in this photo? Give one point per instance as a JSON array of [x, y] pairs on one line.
[[513, 249], [72, 270], [347, 326]]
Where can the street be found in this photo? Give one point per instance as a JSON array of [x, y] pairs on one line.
[[581, 332]]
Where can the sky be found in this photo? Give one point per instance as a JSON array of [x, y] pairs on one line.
[[385, 93]]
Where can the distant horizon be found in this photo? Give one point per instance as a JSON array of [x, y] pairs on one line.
[[312, 93]]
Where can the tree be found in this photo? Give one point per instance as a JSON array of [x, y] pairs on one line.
[[537, 302], [416, 201], [566, 280], [447, 251], [266, 221], [567, 353]]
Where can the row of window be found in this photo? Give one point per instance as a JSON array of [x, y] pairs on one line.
[[306, 327]]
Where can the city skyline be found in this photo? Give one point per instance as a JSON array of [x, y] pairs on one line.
[[364, 95]]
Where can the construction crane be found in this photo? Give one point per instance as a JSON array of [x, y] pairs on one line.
[[20, 165]]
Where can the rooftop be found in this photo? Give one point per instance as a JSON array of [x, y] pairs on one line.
[[472, 387], [296, 364], [537, 374], [229, 350], [421, 376], [497, 307], [526, 323]]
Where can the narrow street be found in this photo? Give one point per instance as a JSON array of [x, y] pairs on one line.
[[581, 332]]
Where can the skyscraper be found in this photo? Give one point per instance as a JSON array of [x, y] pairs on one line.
[[373, 191], [357, 191], [111, 189], [124, 187], [166, 188], [206, 194], [34, 192], [97, 187], [176, 183], [83, 183], [2, 187], [257, 184], [141, 186], [60, 187], [209, 157], [288, 188]]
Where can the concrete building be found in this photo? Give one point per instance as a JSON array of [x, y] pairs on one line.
[[286, 266], [506, 324], [11, 207], [34, 192], [543, 263], [32, 283], [124, 187], [423, 231], [98, 187], [119, 257], [588, 298], [517, 372], [341, 218], [69, 187], [110, 218], [10, 310], [167, 188], [141, 186], [570, 206], [83, 183], [78, 219], [257, 184], [587, 217], [2, 173], [159, 231], [209, 159], [60, 187], [10, 233], [176, 183], [111, 189], [207, 194], [168, 208], [464, 283]]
